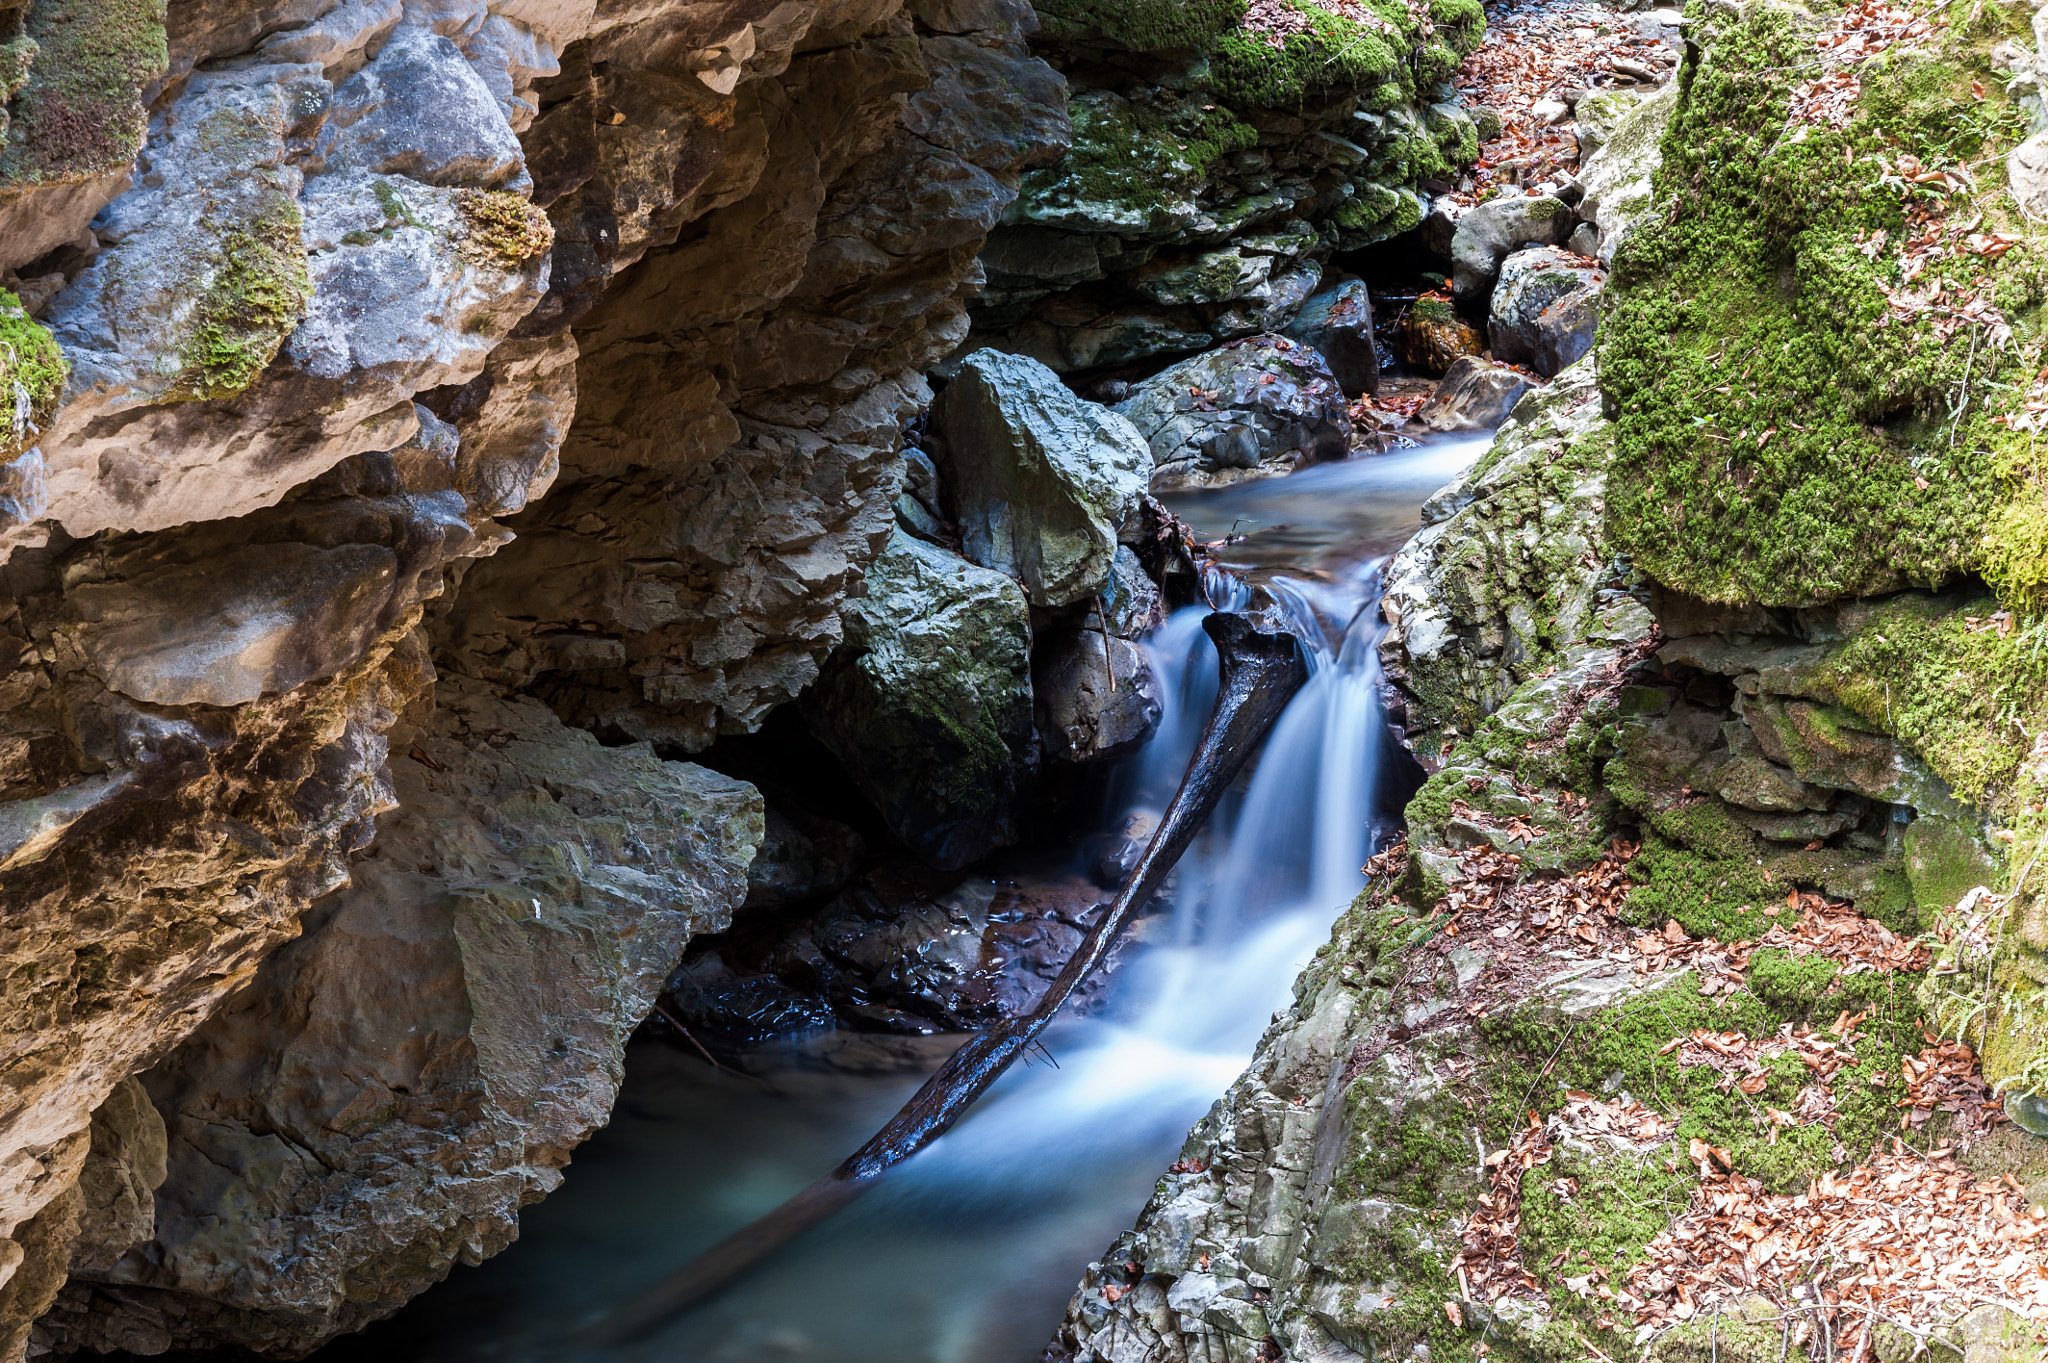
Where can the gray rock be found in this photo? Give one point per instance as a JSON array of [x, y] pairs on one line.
[[1440, 226], [1337, 324], [1253, 408], [1474, 395], [463, 1007], [929, 703], [421, 111], [1037, 479], [1616, 178], [1545, 309], [1597, 115], [1487, 234], [1097, 697], [802, 858], [1470, 618]]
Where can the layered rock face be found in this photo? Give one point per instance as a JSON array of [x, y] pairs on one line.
[[1219, 157], [1716, 927], [310, 310]]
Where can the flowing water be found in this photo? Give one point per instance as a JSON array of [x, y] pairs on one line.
[[969, 1253]]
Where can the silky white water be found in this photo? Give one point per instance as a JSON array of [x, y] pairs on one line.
[[968, 1253]]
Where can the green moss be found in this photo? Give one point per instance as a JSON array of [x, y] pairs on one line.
[[1620, 1204], [1141, 157], [1620, 1049], [257, 296], [1335, 56], [1146, 25], [1746, 307], [504, 229], [78, 113], [32, 373], [396, 211], [1964, 697]]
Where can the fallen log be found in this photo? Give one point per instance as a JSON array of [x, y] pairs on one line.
[[1260, 673]]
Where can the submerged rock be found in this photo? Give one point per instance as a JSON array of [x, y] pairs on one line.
[[1252, 409], [929, 703], [1037, 479]]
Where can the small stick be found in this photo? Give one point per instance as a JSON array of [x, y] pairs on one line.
[[676, 1023]]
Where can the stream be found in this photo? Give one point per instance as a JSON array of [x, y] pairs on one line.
[[970, 1253]]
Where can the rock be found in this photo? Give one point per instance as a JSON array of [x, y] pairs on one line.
[[1545, 309], [1487, 234], [1598, 114], [1440, 227], [419, 110], [1470, 620], [1550, 112], [223, 614], [1434, 337], [1250, 409], [1337, 324], [1616, 178], [1097, 697], [440, 1013], [929, 703], [1474, 396], [1197, 209], [1037, 479], [802, 858]]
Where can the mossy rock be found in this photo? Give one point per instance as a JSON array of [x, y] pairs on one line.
[[77, 110], [32, 373], [1785, 437]]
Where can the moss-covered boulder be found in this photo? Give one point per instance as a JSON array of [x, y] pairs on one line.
[[1807, 345]]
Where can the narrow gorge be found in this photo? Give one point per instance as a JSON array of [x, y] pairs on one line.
[[589, 587]]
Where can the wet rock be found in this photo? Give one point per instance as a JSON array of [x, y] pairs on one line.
[[1337, 324], [722, 1006], [1616, 178], [1474, 396], [1097, 697], [437, 1014], [1254, 408], [1433, 337], [1038, 479], [1545, 309], [1489, 233], [929, 703]]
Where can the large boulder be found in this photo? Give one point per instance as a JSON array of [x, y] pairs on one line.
[[1616, 179], [1490, 233], [1337, 324], [928, 705], [1475, 395], [460, 1010], [1251, 409], [1037, 479], [1545, 308]]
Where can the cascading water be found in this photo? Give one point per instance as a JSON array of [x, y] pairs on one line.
[[968, 1253]]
